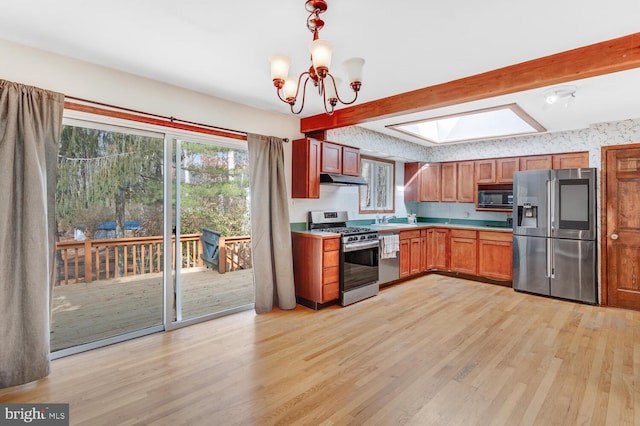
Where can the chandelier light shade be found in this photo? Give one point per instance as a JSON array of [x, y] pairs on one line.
[[288, 88], [279, 67]]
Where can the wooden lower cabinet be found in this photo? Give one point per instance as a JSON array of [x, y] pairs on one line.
[[411, 262], [495, 255], [437, 242], [316, 269], [464, 251]]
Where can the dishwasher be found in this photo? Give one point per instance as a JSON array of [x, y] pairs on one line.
[[389, 267]]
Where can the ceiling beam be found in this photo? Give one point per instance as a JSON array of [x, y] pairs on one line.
[[606, 57]]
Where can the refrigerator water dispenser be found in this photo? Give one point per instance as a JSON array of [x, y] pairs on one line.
[[528, 216]]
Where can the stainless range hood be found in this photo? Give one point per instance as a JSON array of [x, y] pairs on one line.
[[335, 179]]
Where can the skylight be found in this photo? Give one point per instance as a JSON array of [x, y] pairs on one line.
[[489, 123]]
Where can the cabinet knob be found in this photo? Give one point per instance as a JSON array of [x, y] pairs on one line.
[[614, 236]]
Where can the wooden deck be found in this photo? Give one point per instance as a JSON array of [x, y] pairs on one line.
[[86, 312]]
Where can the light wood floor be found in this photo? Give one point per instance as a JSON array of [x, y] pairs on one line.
[[431, 351]]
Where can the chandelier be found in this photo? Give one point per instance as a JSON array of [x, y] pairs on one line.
[[288, 88]]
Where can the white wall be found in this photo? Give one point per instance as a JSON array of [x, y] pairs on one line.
[[80, 79]]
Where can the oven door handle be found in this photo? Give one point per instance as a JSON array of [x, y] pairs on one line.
[[360, 246]]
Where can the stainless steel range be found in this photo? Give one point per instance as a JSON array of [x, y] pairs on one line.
[[358, 254]]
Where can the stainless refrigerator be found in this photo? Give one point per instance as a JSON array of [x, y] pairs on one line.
[[554, 233]]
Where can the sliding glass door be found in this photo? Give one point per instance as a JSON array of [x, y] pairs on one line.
[[211, 230], [153, 234], [109, 210]]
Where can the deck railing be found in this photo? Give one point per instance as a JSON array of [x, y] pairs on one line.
[[92, 260], [235, 253]]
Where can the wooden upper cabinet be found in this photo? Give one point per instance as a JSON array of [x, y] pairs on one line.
[[449, 182], [485, 171], [412, 182], [305, 171], [571, 160], [331, 158], [465, 182], [496, 170], [350, 161], [505, 167], [429, 182], [536, 162]]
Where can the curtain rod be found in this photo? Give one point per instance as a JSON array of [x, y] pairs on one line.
[[170, 119]]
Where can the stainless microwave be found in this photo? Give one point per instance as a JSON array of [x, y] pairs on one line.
[[495, 199]]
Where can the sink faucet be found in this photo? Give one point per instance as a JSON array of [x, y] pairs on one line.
[[385, 219]]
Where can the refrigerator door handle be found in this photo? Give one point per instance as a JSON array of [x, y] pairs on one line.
[[552, 258], [549, 259], [551, 194]]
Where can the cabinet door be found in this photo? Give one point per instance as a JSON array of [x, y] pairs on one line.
[[416, 255], [449, 182], [331, 158], [412, 182], [571, 160], [305, 171], [429, 185], [536, 162], [486, 171], [466, 187], [495, 255], [405, 258], [495, 259], [464, 255], [431, 249], [423, 250], [505, 168], [441, 261], [350, 161]]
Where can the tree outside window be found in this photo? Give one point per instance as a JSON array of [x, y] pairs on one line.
[[378, 195]]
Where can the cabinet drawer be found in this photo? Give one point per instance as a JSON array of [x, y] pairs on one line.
[[463, 233], [405, 235], [330, 292], [330, 258], [495, 236], [331, 244], [330, 275]]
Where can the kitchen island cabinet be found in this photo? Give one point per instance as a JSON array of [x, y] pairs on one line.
[[316, 260]]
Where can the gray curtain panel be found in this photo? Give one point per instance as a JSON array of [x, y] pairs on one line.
[[30, 125], [270, 229]]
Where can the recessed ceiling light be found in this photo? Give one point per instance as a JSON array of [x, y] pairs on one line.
[[488, 123]]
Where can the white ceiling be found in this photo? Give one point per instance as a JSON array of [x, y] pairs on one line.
[[221, 48]]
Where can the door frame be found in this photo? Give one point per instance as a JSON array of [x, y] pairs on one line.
[[604, 282]]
